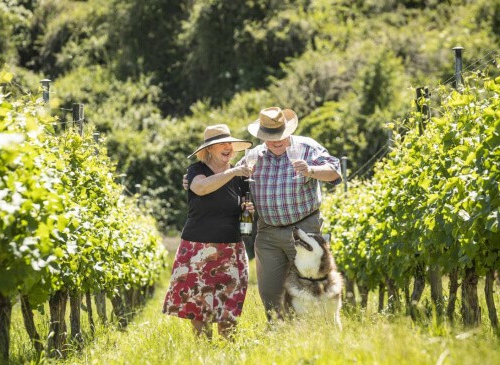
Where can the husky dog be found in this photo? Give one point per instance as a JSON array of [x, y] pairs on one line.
[[313, 278]]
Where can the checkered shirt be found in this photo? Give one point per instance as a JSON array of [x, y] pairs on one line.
[[281, 200]]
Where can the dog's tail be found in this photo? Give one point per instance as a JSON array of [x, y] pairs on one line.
[[337, 290], [338, 282]]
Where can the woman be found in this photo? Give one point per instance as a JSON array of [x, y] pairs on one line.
[[210, 271]]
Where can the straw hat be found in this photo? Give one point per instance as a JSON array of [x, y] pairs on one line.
[[220, 133], [274, 124]]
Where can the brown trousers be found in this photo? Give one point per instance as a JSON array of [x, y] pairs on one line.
[[274, 254]]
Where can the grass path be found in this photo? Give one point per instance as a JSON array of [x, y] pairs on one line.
[[154, 338]]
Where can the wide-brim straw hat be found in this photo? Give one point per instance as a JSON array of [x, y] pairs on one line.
[[220, 133], [274, 124]]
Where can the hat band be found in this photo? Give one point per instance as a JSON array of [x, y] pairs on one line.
[[217, 137], [273, 130]]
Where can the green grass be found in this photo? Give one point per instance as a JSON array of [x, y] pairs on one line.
[[367, 338]]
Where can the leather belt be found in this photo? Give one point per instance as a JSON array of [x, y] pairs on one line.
[[303, 219]]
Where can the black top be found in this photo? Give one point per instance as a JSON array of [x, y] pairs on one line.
[[214, 218]]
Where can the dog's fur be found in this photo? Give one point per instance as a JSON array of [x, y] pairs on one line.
[[313, 278]]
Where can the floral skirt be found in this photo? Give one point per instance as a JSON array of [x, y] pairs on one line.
[[209, 282]]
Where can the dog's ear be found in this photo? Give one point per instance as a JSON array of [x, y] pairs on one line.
[[303, 239], [320, 239]]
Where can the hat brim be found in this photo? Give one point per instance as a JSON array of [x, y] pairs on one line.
[[290, 127], [238, 144]]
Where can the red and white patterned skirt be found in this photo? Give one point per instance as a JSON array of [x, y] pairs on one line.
[[209, 282]]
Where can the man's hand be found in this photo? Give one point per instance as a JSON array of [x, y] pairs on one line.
[[185, 182], [301, 167]]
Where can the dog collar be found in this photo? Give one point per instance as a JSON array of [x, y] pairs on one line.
[[311, 279]]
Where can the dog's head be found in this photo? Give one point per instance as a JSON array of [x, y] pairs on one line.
[[308, 241], [313, 258]]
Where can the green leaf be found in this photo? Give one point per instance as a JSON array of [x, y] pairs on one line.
[[493, 221]]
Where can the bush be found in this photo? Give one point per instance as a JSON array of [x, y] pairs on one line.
[[234, 46]]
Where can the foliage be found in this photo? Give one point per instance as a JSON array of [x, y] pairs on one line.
[[132, 134], [164, 162], [354, 126], [14, 28], [60, 34], [143, 40], [436, 194], [63, 221], [234, 46], [305, 88]]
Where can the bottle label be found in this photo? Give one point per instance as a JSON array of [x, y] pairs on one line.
[[246, 228]]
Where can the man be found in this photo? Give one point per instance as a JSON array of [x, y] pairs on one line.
[[283, 201]]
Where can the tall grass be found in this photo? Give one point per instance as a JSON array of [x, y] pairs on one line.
[[367, 338]]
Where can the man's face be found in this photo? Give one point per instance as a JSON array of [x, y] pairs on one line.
[[278, 147]]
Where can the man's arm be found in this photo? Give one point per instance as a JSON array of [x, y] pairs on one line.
[[324, 172], [320, 164]]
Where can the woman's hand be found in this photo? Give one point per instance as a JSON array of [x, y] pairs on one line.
[[241, 170], [249, 206]]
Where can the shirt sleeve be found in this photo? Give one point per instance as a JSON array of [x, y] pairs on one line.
[[195, 170], [317, 155]]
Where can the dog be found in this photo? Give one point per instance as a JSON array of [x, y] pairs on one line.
[[313, 278]]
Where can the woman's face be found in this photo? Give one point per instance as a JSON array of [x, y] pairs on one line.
[[222, 152]]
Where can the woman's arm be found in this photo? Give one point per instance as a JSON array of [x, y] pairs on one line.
[[202, 185]]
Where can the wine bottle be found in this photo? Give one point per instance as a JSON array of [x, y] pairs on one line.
[[246, 218]]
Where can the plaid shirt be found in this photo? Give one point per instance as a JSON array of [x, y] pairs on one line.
[[281, 200]]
